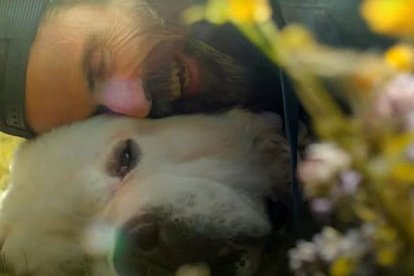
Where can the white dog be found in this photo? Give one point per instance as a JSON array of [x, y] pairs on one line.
[[144, 196]]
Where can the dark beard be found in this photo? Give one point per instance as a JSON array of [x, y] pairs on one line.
[[224, 83]]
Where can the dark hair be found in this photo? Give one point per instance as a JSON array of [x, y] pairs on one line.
[[18, 25]]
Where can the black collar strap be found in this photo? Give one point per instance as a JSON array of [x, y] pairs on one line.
[[19, 21]]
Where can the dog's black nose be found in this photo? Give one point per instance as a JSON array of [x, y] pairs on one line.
[[156, 243], [147, 243], [138, 240], [142, 232]]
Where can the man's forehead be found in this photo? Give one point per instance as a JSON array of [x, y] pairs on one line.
[[128, 7]]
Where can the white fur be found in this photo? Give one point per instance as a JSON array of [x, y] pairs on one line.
[[224, 164]]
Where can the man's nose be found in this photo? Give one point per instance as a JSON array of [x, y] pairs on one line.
[[125, 96]]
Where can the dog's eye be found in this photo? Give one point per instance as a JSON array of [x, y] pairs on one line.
[[126, 157]]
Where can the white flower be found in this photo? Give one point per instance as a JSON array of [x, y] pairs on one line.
[[328, 244], [324, 161], [395, 102], [310, 258], [350, 181], [302, 253]]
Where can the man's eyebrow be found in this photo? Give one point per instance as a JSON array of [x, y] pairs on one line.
[[96, 60], [88, 48]]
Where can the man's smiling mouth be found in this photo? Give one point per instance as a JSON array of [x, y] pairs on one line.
[[189, 74], [184, 76], [180, 78], [169, 73]]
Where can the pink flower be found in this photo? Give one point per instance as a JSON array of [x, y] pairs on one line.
[[324, 161], [395, 102]]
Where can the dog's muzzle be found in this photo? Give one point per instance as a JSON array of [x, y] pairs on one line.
[[150, 245]]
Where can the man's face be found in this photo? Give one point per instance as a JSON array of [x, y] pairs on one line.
[[120, 56]]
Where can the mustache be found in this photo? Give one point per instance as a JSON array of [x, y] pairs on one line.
[[224, 82]]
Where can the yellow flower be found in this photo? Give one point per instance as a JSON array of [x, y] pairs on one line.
[[249, 11], [395, 145], [237, 11], [403, 172], [365, 213], [342, 267], [391, 17], [386, 257], [296, 37], [386, 240], [8, 145], [401, 57], [363, 80], [394, 149]]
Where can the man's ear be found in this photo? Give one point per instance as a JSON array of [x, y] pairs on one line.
[[171, 10]]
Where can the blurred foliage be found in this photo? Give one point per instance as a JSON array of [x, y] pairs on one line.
[[361, 174], [8, 145]]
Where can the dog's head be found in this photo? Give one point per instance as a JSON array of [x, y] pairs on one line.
[[144, 194]]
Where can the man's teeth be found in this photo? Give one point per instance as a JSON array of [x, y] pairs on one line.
[[175, 81], [179, 79]]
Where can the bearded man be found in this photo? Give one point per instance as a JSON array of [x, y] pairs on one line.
[[66, 60]]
